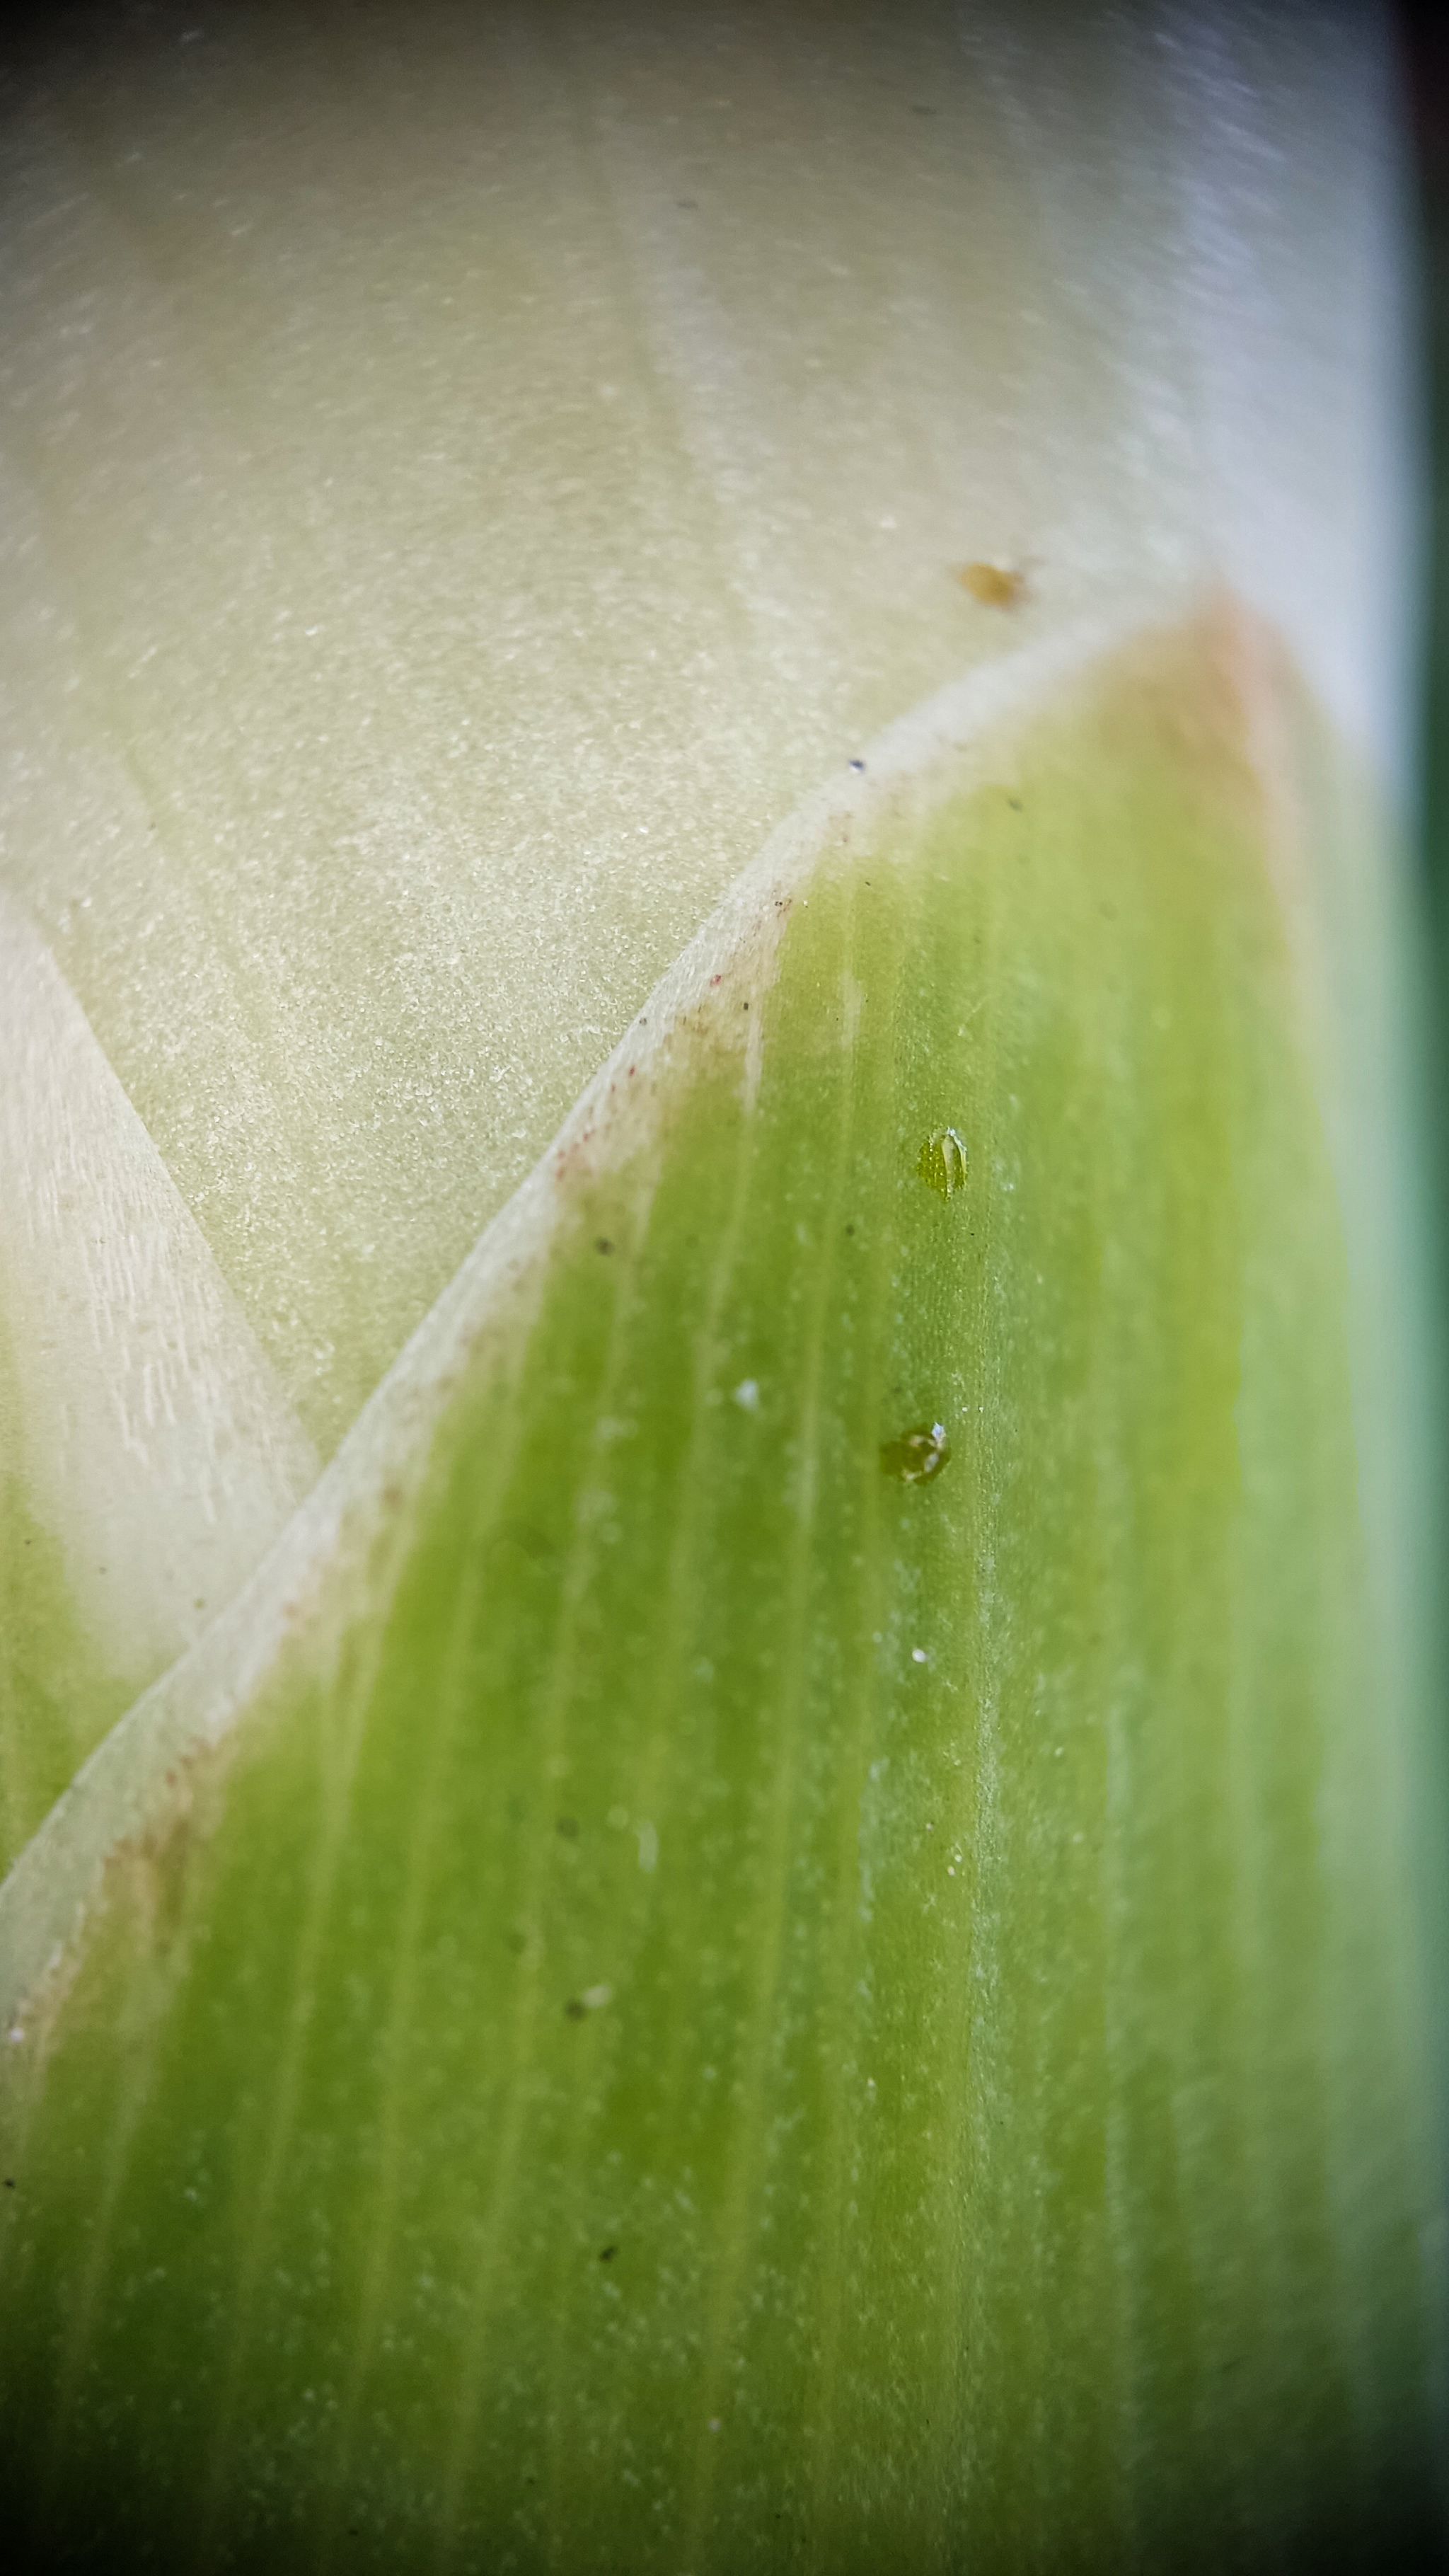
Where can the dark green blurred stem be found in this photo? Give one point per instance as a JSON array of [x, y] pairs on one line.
[[1423, 29]]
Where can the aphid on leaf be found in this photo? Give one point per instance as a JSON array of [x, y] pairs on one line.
[[917, 1456], [995, 585], [941, 1162]]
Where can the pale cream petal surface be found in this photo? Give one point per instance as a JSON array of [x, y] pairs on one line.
[[147, 1454], [466, 481]]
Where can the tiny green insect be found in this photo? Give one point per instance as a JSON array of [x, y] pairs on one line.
[[941, 1162], [917, 1456]]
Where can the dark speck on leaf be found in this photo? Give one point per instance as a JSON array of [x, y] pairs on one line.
[[602, 1243], [574, 2010], [1015, 803], [568, 1826], [10, 2182], [608, 2253], [857, 764]]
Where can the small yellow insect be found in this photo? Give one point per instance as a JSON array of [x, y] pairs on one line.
[[941, 1162], [995, 585], [917, 1456]]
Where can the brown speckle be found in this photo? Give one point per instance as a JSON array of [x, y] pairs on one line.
[[608, 2253], [574, 2010], [602, 1243], [995, 585], [568, 1826]]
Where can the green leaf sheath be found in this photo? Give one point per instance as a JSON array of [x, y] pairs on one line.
[[737, 2010]]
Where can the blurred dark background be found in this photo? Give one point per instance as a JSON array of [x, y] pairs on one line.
[[1424, 26]]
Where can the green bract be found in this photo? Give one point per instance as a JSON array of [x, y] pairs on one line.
[[711, 2003]]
